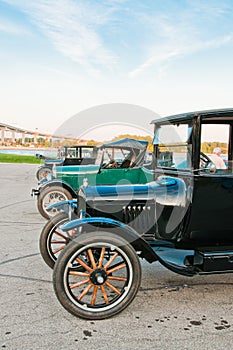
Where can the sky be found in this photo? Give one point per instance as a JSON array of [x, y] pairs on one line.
[[60, 58]]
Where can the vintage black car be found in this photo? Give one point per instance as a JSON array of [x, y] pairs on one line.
[[67, 155], [181, 219]]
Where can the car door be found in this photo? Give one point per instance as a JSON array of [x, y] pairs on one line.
[[211, 218], [173, 174], [112, 176]]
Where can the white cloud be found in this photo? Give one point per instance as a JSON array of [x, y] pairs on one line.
[[84, 31], [175, 35], [72, 28], [173, 52], [9, 27]]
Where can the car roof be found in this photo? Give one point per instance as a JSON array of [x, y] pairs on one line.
[[212, 113], [126, 143], [79, 146]]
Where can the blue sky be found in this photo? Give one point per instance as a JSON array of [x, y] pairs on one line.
[[60, 57]]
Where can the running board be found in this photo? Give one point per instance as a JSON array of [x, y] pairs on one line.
[[214, 262], [173, 259]]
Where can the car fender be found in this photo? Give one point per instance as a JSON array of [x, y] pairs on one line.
[[117, 227], [41, 166], [64, 205], [133, 238], [60, 183]]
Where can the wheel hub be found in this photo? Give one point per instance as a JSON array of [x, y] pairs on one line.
[[98, 277]]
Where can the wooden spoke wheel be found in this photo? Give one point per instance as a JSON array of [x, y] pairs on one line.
[[53, 240], [97, 275]]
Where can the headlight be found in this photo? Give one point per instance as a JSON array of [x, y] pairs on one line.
[[54, 171], [81, 204], [85, 182]]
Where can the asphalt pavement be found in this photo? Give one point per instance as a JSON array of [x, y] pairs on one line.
[[169, 311]]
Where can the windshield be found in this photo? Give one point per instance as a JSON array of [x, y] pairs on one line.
[[121, 158], [173, 146], [172, 134]]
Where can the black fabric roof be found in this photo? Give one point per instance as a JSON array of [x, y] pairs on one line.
[[126, 143]]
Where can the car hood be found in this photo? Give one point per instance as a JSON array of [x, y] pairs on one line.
[[166, 191]]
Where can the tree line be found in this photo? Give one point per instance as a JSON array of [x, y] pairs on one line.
[[123, 136], [208, 147]]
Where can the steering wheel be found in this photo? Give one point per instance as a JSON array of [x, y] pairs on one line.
[[110, 165], [204, 160]]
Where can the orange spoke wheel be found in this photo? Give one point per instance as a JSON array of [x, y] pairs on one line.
[[97, 275], [53, 240]]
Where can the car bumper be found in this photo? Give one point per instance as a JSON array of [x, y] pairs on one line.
[[35, 192]]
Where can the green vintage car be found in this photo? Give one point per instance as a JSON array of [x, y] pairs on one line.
[[66, 155], [119, 162]]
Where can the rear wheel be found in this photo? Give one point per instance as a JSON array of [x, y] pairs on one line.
[[97, 275], [49, 196], [53, 240]]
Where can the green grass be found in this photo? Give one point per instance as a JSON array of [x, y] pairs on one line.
[[15, 158]]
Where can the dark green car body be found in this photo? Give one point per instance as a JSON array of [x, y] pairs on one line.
[[120, 162], [102, 173]]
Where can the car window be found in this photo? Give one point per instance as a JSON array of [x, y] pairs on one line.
[[116, 154], [99, 157], [214, 145], [87, 152], [173, 146], [71, 152]]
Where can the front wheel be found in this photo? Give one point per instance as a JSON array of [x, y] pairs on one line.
[[53, 240], [97, 275], [42, 172], [50, 195]]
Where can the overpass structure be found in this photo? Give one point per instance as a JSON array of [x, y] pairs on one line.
[[15, 133]]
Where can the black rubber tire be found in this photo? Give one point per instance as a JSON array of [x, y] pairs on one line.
[[48, 234], [60, 193], [66, 267], [40, 171]]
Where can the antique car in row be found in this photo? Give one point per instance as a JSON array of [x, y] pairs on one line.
[[66, 155], [182, 219], [116, 162], [123, 203]]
